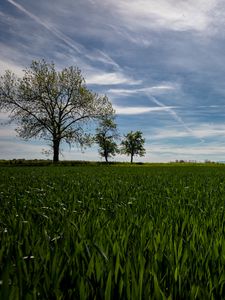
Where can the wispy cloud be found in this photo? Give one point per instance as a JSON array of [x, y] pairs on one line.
[[154, 90], [7, 65], [171, 111], [166, 14], [149, 92], [7, 132], [71, 43], [126, 110], [161, 88], [16, 149], [190, 152], [78, 48], [110, 79], [102, 57], [201, 131]]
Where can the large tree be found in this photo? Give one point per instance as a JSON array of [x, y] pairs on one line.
[[133, 144], [50, 104], [106, 136]]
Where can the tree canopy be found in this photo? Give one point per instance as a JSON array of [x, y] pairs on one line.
[[133, 144], [50, 104], [106, 135]]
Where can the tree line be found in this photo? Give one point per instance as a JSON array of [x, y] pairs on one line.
[[107, 134], [57, 106]]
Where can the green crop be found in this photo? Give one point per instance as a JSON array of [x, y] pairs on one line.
[[112, 232]]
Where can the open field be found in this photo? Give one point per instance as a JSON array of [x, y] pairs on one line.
[[112, 232]]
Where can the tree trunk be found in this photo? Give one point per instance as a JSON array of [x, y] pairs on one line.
[[56, 143], [131, 158], [106, 155], [106, 158]]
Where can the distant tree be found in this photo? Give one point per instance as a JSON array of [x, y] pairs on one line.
[[52, 105], [133, 144], [106, 135]]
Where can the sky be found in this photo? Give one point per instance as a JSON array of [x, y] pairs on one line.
[[161, 63]]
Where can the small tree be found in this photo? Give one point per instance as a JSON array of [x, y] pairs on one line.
[[106, 134], [133, 144], [52, 105]]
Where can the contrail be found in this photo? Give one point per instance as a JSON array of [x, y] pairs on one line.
[[54, 31], [148, 93], [173, 114], [69, 42], [171, 111]]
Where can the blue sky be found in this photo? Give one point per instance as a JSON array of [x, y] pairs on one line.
[[161, 63]]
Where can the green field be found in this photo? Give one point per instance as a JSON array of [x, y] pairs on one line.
[[112, 232]]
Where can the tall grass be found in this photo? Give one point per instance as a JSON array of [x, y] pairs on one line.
[[112, 232]]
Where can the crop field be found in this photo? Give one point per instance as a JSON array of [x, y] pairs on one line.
[[112, 232]]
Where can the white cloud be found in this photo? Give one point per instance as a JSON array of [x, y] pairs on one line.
[[6, 132], [169, 14], [110, 79], [49, 27], [4, 117], [10, 149], [99, 55], [171, 111], [93, 55], [10, 65], [200, 131], [189, 152], [125, 110], [153, 90]]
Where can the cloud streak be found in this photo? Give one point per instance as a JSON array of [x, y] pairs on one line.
[[6, 65], [154, 90], [190, 152], [77, 47], [126, 110], [110, 79], [171, 111], [202, 131], [149, 92], [166, 14]]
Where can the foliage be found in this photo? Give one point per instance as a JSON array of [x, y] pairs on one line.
[[133, 144], [106, 134], [98, 232], [52, 105]]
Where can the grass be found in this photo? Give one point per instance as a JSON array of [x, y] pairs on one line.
[[112, 232]]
